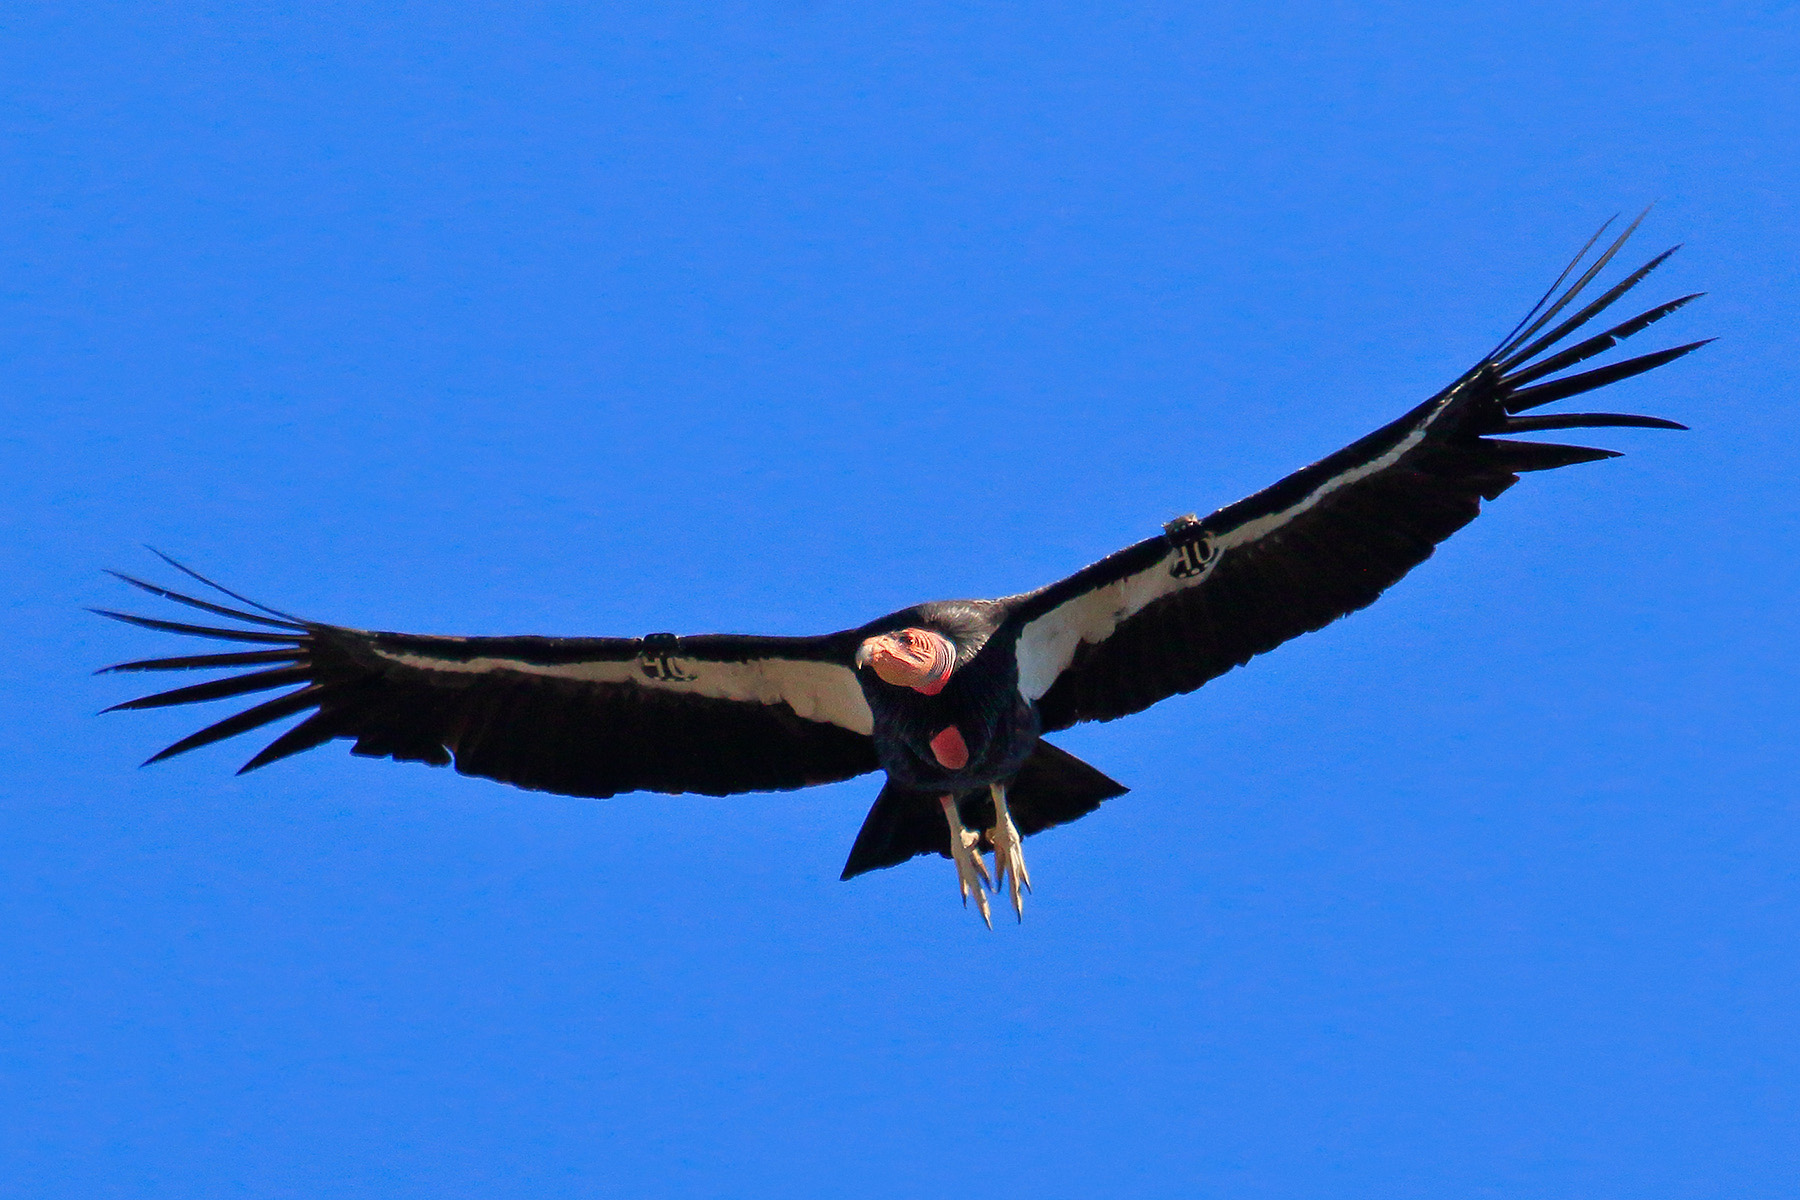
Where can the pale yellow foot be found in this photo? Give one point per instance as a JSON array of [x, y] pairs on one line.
[[1009, 851], [971, 872]]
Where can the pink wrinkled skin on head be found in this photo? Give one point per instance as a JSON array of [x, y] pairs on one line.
[[914, 658], [950, 749]]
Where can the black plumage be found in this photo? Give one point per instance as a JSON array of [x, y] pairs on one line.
[[720, 714]]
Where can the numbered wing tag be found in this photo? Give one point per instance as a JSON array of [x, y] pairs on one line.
[[1195, 548], [658, 661]]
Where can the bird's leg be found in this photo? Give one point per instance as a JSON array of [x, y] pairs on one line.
[[971, 872], [1009, 850]]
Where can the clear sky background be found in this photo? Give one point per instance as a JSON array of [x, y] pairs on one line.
[[573, 318]]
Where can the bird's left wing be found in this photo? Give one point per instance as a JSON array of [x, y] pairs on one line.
[[1168, 614], [714, 714]]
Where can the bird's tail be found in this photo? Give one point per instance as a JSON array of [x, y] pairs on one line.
[[1052, 788]]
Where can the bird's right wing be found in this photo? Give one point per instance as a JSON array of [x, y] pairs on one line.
[[714, 714], [1171, 612]]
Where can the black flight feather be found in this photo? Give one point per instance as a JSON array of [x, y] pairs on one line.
[[719, 714], [262, 714], [1332, 537], [1573, 385], [207, 631], [223, 590], [1599, 343], [206, 605], [209, 662], [1593, 309], [218, 689], [1575, 289]]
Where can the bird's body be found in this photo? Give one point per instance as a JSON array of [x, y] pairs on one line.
[[950, 699], [995, 726]]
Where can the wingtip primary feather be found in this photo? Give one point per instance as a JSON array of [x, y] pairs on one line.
[[1522, 457], [219, 689], [222, 589], [1509, 349], [242, 722], [1515, 357], [1549, 392], [1590, 347], [316, 730], [204, 605], [211, 662], [208, 631], [1587, 421], [1554, 287]]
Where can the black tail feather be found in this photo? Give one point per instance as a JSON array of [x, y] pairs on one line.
[[1052, 788], [901, 824]]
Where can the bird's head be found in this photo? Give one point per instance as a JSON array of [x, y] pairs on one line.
[[919, 659]]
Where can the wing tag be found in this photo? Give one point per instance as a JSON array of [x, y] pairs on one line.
[[1195, 548], [657, 660]]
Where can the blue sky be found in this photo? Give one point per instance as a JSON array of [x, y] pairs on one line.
[[542, 318]]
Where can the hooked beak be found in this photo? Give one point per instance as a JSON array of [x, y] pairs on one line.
[[919, 659]]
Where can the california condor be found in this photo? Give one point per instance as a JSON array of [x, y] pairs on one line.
[[951, 699]]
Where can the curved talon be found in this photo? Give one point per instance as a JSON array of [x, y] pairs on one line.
[[971, 871], [1009, 851]]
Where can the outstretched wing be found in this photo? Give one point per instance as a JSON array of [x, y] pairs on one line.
[[1168, 614], [581, 716]]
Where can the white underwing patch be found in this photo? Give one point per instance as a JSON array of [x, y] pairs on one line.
[[815, 691], [1047, 645]]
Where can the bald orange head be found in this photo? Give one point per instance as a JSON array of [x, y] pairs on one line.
[[914, 658]]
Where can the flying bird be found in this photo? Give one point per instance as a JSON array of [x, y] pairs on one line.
[[951, 699]]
